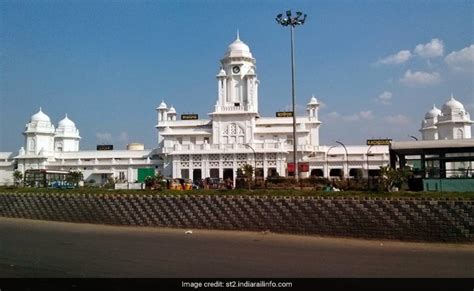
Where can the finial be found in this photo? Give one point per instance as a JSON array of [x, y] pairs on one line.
[[452, 96], [66, 115], [238, 36], [40, 109]]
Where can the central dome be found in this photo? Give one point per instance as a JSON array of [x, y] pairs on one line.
[[238, 49]]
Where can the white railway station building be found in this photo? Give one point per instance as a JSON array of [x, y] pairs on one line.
[[235, 134]]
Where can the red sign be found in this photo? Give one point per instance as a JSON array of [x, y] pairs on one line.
[[302, 167]]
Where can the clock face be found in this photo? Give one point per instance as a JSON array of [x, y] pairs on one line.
[[236, 69]]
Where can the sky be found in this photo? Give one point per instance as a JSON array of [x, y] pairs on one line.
[[376, 67]]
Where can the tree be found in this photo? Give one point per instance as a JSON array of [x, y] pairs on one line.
[[17, 178], [154, 182], [247, 172], [390, 177], [74, 177]]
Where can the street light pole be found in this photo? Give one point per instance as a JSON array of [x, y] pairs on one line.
[[368, 177], [292, 22], [254, 162], [347, 156], [254, 159], [327, 160]]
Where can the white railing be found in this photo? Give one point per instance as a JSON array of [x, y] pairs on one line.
[[233, 108]]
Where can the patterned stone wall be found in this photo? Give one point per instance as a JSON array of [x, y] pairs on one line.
[[403, 218]]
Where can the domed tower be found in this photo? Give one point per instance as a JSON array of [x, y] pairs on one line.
[[67, 136], [162, 112], [39, 135], [172, 113], [455, 122], [237, 81], [162, 117], [312, 108], [233, 119], [429, 130]]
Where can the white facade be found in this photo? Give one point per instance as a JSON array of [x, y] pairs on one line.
[[57, 149], [235, 134], [452, 122], [7, 166]]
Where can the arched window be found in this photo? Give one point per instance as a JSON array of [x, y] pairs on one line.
[[233, 134], [336, 173], [356, 173], [317, 173], [31, 145], [460, 134]]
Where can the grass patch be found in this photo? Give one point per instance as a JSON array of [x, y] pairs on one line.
[[244, 192]]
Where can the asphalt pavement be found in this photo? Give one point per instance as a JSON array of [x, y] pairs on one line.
[[30, 248]]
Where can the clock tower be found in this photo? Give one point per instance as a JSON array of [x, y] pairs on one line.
[[237, 88]]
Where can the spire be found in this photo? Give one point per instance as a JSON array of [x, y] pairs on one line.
[[238, 36], [40, 109], [66, 116], [452, 96]]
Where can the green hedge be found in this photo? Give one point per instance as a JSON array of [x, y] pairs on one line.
[[242, 192]]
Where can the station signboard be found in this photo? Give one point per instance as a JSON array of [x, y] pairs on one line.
[[302, 167], [374, 142], [284, 114], [105, 147], [189, 116]]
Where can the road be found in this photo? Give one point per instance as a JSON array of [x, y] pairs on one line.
[[30, 248]]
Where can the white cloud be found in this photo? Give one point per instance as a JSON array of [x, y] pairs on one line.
[[322, 104], [462, 60], [123, 137], [398, 119], [334, 115], [353, 117], [108, 138], [104, 137], [366, 115], [384, 98], [420, 78], [398, 58], [434, 48]]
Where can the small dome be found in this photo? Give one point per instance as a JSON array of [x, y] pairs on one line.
[[221, 73], [313, 101], [172, 110], [40, 116], [66, 122], [162, 105], [452, 105], [434, 112], [238, 49]]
